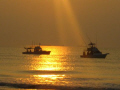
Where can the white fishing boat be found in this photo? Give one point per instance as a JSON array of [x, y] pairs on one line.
[[93, 52]]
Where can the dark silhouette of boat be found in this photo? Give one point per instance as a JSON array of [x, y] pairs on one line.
[[93, 52], [35, 50]]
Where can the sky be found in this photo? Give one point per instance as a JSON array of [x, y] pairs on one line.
[[60, 22]]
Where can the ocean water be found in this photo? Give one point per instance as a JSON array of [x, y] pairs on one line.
[[63, 69]]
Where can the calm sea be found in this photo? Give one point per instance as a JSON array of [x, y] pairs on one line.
[[62, 69]]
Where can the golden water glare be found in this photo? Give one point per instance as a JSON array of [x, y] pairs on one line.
[[48, 67]]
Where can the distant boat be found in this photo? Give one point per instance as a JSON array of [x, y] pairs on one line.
[[93, 52], [35, 50]]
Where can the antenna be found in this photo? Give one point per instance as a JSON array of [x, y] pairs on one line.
[[96, 38], [32, 43], [39, 44], [83, 40], [88, 37]]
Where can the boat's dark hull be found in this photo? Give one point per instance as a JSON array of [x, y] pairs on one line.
[[94, 56], [40, 52]]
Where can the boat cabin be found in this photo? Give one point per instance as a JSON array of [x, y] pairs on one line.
[[37, 49], [92, 49]]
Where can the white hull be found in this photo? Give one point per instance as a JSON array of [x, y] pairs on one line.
[[94, 56]]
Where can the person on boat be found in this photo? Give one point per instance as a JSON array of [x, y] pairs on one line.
[[88, 52], [84, 53]]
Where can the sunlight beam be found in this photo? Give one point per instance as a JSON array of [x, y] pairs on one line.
[[59, 17], [66, 19]]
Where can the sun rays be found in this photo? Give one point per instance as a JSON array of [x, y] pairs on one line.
[[67, 24]]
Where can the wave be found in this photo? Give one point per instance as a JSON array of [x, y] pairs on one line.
[[43, 86], [3, 75], [48, 72]]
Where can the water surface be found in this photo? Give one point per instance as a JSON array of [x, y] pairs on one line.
[[62, 69]]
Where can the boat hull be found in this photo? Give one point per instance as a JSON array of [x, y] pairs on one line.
[[40, 52], [94, 56]]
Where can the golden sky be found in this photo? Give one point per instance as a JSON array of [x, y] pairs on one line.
[[59, 22]]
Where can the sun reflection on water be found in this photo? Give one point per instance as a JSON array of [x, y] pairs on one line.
[[48, 79], [49, 69]]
